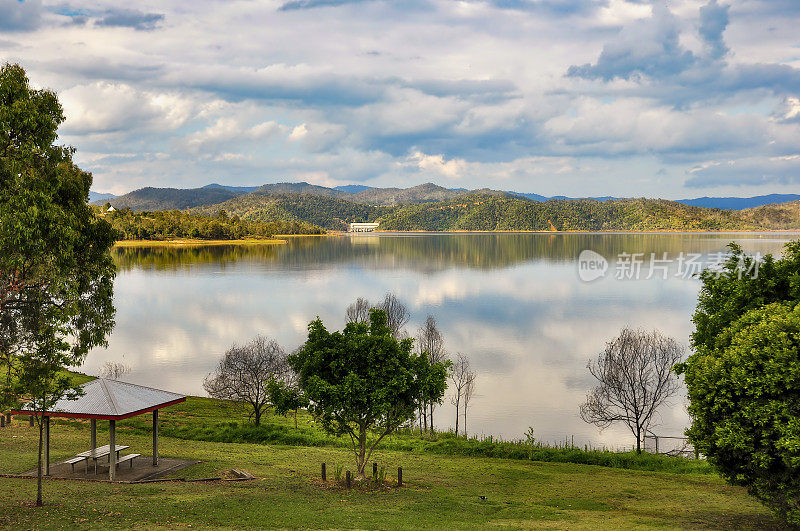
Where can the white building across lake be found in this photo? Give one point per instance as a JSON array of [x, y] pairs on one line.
[[363, 227]]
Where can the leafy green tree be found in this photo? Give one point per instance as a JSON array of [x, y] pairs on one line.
[[56, 271], [744, 402], [285, 397], [743, 378], [742, 285], [361, 381]]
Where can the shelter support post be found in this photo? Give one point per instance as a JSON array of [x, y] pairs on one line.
[[155, 437], [112, 442], [93, 422]]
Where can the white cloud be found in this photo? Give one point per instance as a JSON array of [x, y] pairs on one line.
[[437, 164], [226, 131], [395, 94], [104, 107]]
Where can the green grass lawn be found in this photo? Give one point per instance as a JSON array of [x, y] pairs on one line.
[[441, 490]]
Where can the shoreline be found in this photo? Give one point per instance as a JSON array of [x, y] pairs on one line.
[[186, 242], [282, 239], [558, 232]]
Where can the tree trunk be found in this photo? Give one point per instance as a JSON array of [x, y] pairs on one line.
[[39, 502], [638, 440], [432, 430], [465, 420], [257, 413], [295, 419], [458, 400], [362, 450]]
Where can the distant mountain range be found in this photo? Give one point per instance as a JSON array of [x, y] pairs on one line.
[[97, 197], [176, 198], [740, 203]]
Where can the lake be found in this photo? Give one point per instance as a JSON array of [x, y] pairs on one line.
[[521, 307]]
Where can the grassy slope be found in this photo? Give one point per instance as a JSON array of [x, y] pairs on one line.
[[441, 490]]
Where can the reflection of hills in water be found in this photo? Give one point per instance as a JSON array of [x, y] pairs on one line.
[[441, 251]]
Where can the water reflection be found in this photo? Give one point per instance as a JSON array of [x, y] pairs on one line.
[[512, 302]]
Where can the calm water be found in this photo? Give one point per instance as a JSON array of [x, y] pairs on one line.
[[513, 303]]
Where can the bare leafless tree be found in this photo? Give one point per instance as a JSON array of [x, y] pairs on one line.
[[397, 314], [244, 372], [467, 393], [431, 343], [459, 376], [635, 378], [358, 312], [113, 370]]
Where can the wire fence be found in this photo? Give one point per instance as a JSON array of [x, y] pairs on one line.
[[668, 445]]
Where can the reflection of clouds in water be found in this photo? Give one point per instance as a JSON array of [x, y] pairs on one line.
[[528, 323]]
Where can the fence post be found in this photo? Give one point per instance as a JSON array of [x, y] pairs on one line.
[[399, 476], [347, 480], [324, 476]]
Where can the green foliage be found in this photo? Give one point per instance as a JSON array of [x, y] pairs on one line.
[[327, 212], [729, 293], [359, 380], [489, 212], [56, 271], [150, 199], [744, 376], [285, 398], [432, 208], [745, 399], [172, 224], [273, 433]]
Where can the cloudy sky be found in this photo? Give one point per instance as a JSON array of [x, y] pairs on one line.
[[577, 97]]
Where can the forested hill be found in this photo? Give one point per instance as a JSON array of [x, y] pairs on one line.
[[432, 208], [153, 199], [490, 212], [327, 212]]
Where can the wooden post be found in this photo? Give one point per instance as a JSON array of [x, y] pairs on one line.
[[112, 443], [93, 423], [399, 476], [347, 480], [324, 475], [155, 437], [375, 471], [47, 446]]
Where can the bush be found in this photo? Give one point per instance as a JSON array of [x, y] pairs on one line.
[[745, 402]]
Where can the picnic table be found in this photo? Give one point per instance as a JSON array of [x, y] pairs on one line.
[[96, 454]]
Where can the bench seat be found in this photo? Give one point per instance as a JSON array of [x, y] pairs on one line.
[[76, 460], [128, 457]]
